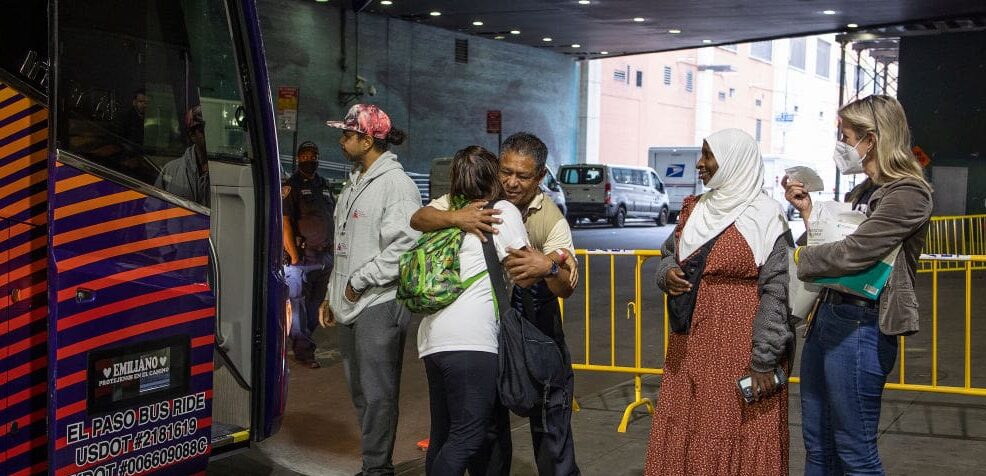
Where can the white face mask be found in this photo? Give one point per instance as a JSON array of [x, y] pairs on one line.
[[847, 158]]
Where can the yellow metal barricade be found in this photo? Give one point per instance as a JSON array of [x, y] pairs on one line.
[[634, 311], [955, 235], [934, 264]]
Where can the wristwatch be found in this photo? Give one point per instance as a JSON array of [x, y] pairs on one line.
[[554, 269]]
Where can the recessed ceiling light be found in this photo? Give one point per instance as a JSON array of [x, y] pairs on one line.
[[584, 2], [499, 37], [514, 32], [321, 1], [852, 25], [386, 2], [604, 52], [638, 19], [576, 45], [674, 31], [547, 38], [706, 41], [477, 23], [436, 14], [828, 12]]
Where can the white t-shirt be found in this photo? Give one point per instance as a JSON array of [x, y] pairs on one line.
[[470, 322]]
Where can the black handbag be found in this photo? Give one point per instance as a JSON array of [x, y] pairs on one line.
[[530, 363], [682, 306]]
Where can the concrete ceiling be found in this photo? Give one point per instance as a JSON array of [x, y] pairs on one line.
[[609, 25]]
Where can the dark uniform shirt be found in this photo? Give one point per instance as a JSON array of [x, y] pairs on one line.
[[309, 205]]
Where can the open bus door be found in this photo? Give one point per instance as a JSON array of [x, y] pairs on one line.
[[141, 308]]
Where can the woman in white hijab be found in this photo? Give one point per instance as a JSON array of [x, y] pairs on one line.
[[725, 270]]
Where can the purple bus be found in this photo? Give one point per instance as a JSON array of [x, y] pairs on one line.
[[142, 319]]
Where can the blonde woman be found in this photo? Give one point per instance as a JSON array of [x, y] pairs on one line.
[[852, 345]]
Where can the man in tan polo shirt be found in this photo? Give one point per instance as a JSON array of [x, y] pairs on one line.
[[546, 272]]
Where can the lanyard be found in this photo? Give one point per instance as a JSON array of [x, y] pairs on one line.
[[351, 203]]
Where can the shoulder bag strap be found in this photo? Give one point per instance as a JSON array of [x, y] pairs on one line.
[[500, 288]]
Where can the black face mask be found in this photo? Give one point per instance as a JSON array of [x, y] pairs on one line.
[[308, 167]]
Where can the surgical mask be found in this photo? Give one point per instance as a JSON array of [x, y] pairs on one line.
[[847, 158], [308, 167]]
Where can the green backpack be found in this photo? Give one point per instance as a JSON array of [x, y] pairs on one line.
[[429, 279]]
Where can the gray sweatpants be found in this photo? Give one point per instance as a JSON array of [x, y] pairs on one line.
[[372, 349]]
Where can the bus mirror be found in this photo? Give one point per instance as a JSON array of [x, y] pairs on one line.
[[240, 117]]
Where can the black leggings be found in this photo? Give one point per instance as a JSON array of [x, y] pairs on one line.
[[462, 391]]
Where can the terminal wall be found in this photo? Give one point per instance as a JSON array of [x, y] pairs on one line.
[[440, 103], [941, 88]]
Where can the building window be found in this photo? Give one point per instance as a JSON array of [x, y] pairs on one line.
[[762, 50], [722, 95], [759, 102], [640, 78], [797, 53], [729, 48], [689, 81], [461, 51], [732, 92], [620, 75], [759, 130], [667, 76], [823, 59]]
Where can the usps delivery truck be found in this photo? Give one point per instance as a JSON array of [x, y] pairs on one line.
[[676, 167]]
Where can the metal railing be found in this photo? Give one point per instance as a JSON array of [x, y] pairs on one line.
[[936, 265], [955, 235]]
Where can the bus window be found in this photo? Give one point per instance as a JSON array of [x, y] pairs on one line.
[[25, 42], [172, 103]]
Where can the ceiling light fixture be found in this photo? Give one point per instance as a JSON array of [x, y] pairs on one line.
[[584, 2], [514, 32], [436, 14], [706, 41], [477, 23], [546, 38], [386, 2], [828, 12], [499, 37], [674, 31], [604, 52], [638, 19], [321, 1], [576, 45], [852, 25]]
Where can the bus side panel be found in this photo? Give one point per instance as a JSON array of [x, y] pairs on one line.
[[23, 283], [132, 333]]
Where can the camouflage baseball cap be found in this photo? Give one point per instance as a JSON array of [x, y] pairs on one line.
[[365, 119]]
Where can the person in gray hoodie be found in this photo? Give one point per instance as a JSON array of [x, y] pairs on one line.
[[371, 232]]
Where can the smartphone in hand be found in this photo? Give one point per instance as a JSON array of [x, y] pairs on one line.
[[745, 384]]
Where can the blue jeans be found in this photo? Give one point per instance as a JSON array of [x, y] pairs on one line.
[[307, 284], [844, 366]]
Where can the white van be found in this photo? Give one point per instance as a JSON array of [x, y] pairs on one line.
[[614, 193]]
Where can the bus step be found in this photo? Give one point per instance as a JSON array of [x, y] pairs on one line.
[[228, 437]]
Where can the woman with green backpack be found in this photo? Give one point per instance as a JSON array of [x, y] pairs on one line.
[[457, 339]]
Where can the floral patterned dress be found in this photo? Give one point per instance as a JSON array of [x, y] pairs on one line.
[[701, 425]]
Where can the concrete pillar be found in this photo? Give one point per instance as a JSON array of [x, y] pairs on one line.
[[587, 145], [704, 92]]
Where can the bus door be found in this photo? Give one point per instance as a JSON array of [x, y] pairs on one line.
[[24, 131], [156, 342]]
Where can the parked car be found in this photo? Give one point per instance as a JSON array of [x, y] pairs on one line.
[[553, 190], [614, 193]]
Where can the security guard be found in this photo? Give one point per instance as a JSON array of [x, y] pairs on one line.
[[308, 208]]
